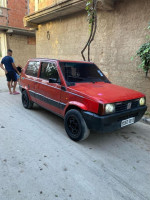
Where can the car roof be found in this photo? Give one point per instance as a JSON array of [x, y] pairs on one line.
[[49, 59]]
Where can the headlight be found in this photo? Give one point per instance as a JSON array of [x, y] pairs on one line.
[[109, 108], [142, 101]]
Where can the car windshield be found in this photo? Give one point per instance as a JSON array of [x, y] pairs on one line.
[[81, 72]]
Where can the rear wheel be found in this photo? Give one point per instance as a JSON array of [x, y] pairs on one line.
[[25, 100], [75, 125]]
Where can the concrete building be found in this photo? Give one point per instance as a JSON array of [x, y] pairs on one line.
[[12, 32], [62, 32]]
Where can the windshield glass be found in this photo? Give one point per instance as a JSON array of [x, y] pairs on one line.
[[82, 72]]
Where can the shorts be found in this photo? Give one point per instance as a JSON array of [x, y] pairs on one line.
[[11, 76], [17, 76]]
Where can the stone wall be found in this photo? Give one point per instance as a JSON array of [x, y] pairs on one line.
[[22, 50], [119, 35]]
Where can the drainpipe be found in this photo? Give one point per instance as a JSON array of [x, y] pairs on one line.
[[28, 10]]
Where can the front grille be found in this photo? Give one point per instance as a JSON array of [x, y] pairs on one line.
[[127, 116], [126, 105]]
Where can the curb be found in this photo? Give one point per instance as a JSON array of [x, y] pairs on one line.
[[145, 120]]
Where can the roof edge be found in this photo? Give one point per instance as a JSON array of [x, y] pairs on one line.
[[65, 8], [17, 31]]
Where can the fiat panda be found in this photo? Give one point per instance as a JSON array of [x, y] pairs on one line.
[[81, 94]]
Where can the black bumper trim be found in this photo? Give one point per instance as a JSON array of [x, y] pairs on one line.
[[109, 123], [47, 100]]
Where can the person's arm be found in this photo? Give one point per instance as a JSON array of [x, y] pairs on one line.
[[1, 66]]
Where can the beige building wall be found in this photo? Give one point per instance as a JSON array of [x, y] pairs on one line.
[[3, 49], [44, 3], [23, 48], [119, 35], [36, 5]]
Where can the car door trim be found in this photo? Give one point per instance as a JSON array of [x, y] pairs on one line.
[[47, 100]]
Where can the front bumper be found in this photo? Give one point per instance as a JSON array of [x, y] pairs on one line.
[[109, 123]]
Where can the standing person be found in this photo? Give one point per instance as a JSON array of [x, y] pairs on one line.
[[19, 68], [9, 69]]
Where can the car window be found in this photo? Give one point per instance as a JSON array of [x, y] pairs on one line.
[[33, 68], [82, 72], [48, 70]]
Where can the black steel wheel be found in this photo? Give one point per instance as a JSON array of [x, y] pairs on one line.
[[25, 100], [75, 125]]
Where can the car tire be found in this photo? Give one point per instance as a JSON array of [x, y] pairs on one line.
[[75, 125], [25, 100]]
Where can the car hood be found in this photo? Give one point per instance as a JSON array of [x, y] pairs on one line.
[[105, 92]]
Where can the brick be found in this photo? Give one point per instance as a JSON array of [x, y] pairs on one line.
[[16, 13]]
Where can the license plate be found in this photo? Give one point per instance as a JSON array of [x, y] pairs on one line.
[[127, 122]]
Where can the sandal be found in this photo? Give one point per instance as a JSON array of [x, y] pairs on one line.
[[14, 93]]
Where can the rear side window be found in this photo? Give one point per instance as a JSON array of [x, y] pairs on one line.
[[48, 70], [33, 68]]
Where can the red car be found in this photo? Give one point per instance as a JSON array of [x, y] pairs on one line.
[[81, 94]]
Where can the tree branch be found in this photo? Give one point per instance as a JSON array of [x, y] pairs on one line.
[[93, 30]]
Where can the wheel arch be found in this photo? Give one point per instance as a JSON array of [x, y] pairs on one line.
[[26, 89], [75, 105]]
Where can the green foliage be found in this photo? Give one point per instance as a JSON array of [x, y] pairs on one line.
[[144, 54], [90, 10]]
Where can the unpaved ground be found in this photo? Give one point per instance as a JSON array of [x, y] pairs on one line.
[[39, 162]]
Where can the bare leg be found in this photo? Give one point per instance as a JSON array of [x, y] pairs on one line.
[[12, 83], [9, 87], [14, 88], [19, 81]]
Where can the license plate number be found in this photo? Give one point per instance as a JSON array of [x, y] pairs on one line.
[[127, 122]]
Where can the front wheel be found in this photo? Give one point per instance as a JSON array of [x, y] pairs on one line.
[[75, 125], [25, 100]]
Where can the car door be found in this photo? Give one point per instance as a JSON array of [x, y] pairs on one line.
[[49, 88], [30, 78]]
